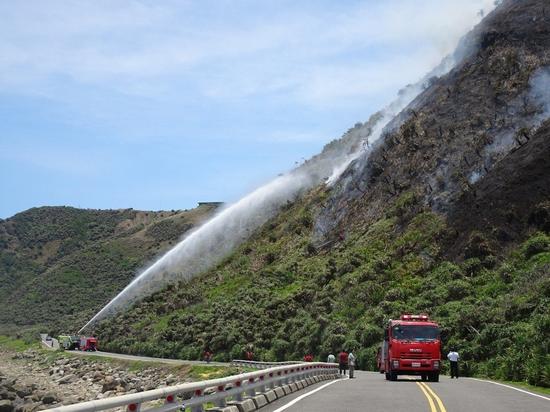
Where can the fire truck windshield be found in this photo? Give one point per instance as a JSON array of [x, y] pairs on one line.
[[415, 332]]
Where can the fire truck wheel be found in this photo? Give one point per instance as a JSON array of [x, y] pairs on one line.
[[387, 376], [393, 376], [424, 377], [434, 377]]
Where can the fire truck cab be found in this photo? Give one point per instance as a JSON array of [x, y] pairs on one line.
[[411, 346]]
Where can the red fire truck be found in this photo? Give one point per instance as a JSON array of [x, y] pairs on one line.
[[412, 346], [88, 344]]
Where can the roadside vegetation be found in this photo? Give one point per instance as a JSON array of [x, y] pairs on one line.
[[527, 387], [18, 345]]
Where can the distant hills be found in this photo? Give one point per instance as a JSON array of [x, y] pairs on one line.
[[60, 265]]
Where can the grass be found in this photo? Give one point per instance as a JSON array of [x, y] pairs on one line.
[[205, 372], [522, 385], [18, 345]]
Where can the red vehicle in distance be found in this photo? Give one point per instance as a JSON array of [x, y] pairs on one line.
[[411, 346], [88, 344]]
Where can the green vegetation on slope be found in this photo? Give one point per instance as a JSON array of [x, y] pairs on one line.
[[60, 265], [286, 298], [18, 345]]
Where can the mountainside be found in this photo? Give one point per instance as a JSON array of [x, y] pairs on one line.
[[60, 265], [447, 214]]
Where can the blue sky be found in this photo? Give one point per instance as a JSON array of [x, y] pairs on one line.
[[161, 104]]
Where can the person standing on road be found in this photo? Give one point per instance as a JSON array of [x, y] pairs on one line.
[[351, 363], [331, 358], [343, 362], [453, 357]]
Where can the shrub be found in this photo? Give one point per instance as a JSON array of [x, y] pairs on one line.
[[478, 246], [458, 289], [280, 348], [369, 334], [536, 244], [540, 216]]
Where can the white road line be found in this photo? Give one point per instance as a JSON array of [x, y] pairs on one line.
[[512, 387], [305, 395]]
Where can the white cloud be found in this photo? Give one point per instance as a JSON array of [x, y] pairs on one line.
[[308, 54]]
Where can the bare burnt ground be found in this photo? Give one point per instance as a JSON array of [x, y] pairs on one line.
[[503, 203]]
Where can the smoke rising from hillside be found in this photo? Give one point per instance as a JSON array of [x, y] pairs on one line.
[[214, 240], [538, 97], [540, 90]]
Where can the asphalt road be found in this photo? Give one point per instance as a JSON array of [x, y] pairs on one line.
[[369, 391], [146, 358]]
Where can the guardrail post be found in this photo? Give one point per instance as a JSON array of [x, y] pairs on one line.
[[278, 381], [221, 402], [251, 392], [271, 381], [238, 396], [262, 387], [197, 408]]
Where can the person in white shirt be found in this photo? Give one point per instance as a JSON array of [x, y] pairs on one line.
[[453, 357], [351, 363], [331, 358]]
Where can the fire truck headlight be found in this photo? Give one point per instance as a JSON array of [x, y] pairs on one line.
[[395, 364], [436, 364]]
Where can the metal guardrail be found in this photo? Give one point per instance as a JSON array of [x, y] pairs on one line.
[[260, 364], [217, 391]]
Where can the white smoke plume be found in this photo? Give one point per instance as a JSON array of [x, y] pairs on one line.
[[540, 90], [214, 240], [537, 96]]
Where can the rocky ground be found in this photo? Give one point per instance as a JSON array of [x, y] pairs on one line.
[[36, 380]]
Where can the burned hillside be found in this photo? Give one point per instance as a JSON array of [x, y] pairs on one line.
[[466, 128]]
